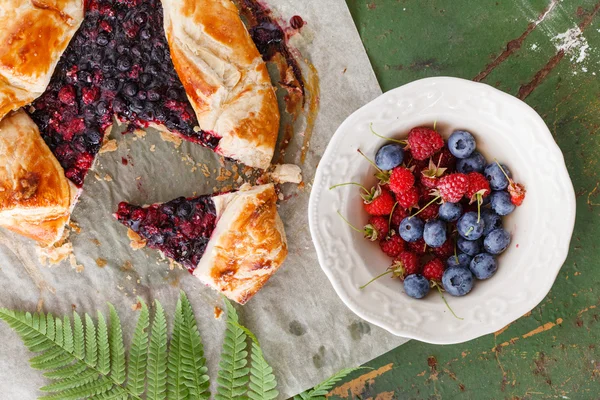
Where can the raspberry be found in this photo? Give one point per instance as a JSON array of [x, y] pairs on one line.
[[417, 247], [382, 204], [407, 263], [408, 199], [445, 159], [84, 161], [66, 95], [445, 250], [377, 228], [401, 180], [392, 246], [434, 270], [89, 95], [478, 185], [517, 193], [430, 212], [429, 182], [453, 187], [424, 142], [398, 215]]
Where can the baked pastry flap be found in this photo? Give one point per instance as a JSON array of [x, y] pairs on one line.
[[233, 242]]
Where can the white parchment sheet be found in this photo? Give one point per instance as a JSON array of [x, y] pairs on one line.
[[306, 332]]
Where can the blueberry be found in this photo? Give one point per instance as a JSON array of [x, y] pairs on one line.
[[102, 39], [145, 34], [130, 89], [110, 84], [474, 163], [483, 266], [470, 247], [469, 227], [491, 219], [501, 203], [145, 79], [497, 241], [496, 177], [157, 54], [153, 95], [416, 286], [460, 260], [450, 212], [123, 63], [184, 210], [457, 281], [411, 229], [434, 233], [389, 156], [461, 144]]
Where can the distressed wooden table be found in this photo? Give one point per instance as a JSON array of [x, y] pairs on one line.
[[547, 53]]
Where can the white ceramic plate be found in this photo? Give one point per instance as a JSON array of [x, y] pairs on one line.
[[506, 129]]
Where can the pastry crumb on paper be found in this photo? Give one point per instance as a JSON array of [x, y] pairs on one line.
[[56, 253], [137, 242], [286, 173], [169, 137], [108, 145], [73, 261], [218, 312]]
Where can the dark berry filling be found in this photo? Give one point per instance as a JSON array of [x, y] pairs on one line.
[[118, 63], [180, 228]]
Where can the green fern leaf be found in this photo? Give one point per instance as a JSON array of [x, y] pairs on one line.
[[177, 389], [91, 342], [50, 331], [103, 346], [74, 381], [67, 335], [58, 338], [66, 372], [233, 373], [85, 391], [78, 337], [322, 389], [157, 357], [62, 360], [138, 355], [114, 394], [195, 370], [117, 350]]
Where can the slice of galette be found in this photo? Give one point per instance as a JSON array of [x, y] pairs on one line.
[[232, 242]]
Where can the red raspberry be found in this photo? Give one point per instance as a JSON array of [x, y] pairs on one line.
[[478, 184], [430, 212], [445, 250], [392, 246], [445, 159], [398, 215], [377, 229], [424, 142], [408, 199], [453, 187], [89, 95], [407, 263], [434, 270], [401, 180], [429, 182], [84, 161], [382, 204], [417, 247], [517, 193]]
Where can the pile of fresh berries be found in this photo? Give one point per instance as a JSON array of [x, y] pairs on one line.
[[437, 211]]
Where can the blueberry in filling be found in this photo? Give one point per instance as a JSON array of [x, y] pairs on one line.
[[180, 228], [117, 63]]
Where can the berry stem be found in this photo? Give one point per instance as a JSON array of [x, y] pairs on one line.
[[370, 161], [349, 183], [391, 214], [389, 271], [386, 138], [503, 171], [471, 229], [426, 205], [444, 298], [479, 203], [434, 125], [349, 224]]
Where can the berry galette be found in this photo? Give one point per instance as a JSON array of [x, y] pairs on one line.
[[185, 67]]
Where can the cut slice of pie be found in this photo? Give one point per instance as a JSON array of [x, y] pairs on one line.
[[35, 197], [232, 242]]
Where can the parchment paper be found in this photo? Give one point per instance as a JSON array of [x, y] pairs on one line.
[[306, 332]]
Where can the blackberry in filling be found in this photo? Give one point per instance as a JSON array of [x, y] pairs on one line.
[[180, 228], [117, 63]]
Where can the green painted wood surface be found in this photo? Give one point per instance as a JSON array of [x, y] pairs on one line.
[[553, 352]]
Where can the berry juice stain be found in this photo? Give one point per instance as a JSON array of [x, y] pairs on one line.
[[118, 63]]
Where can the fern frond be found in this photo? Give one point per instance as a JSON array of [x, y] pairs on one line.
[[67, 335], [117, 350], [233, 373], [138, 355], [157, 357], [194, 363], [113, 394], [66, 372], [85, 391], [322, 389], [58, 338], [103, 346], [50, 331], [176, 387], [74, 381], [91, 342], [78, 337]]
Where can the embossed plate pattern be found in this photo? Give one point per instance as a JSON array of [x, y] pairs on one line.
[[506, 129]]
